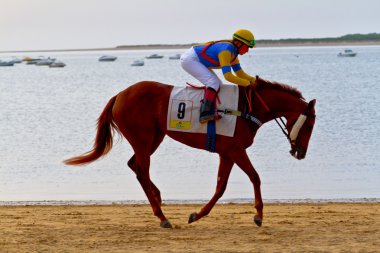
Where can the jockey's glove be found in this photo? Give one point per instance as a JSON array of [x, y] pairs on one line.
[[252, 82]]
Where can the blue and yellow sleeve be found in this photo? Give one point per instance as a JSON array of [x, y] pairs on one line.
[[240, 72], [225, 64]]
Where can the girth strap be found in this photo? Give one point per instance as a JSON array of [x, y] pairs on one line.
[[248, 116]]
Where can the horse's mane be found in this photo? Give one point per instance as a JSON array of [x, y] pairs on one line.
[[262, 84]]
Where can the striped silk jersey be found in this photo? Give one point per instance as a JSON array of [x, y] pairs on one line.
[[223, 55]]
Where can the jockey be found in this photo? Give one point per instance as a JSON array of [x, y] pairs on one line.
[[200, 59]]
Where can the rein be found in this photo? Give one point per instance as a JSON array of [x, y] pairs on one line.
[[250, 102]]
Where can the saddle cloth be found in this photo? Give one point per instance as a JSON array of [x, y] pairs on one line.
[[184, 110]]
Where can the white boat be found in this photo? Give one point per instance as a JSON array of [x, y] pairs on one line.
[[6, 64], [347, 53], [107, 58], [40, 61], [175, 57], [138, 63], [154, 56], [57, 64], [16, 60], [45, 62]]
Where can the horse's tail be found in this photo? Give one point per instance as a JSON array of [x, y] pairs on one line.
[[104, 137]]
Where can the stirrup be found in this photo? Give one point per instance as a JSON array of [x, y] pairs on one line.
[[206, 118]]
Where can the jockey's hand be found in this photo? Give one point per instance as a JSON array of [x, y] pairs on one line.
[[252, 82]]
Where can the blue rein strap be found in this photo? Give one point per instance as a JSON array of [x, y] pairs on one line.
[[211, 136]]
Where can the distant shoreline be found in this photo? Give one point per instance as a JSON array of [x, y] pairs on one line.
[[184, 46]]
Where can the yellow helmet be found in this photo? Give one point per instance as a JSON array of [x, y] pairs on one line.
[[245, 36]]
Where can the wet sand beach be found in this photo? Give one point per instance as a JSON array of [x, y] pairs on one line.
[[327, 227]]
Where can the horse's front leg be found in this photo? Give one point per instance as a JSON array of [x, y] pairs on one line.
[[242, 160], [225, 167]]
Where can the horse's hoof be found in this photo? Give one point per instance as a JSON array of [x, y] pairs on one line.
[[258, 220], [192, 217], [166, 224]]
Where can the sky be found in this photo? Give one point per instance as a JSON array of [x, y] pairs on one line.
[[77, 24]]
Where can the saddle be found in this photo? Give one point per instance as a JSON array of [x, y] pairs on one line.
[[184, 110]]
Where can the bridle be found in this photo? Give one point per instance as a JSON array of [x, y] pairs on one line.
[[296, 126], [250, 102]]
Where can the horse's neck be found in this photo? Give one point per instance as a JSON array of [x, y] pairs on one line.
[[282, 103]]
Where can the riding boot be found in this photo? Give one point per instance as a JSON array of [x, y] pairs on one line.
[[207, 107]]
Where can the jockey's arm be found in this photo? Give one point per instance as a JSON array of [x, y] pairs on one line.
[[240, 73], [225, 64]]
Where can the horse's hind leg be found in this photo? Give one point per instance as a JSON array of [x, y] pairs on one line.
[[132, 164], [156, 192], [144, 145], [142, 174], [225, 167]]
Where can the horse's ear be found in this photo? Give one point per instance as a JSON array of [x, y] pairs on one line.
[[311, 104]]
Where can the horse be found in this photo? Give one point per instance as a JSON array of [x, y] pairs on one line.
[[139, 113]]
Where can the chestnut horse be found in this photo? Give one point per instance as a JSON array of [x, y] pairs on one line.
[[139, 113]]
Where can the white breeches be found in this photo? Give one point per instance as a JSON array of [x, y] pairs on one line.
[[191, 64]]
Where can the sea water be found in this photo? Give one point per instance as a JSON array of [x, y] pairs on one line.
[[48, 115]]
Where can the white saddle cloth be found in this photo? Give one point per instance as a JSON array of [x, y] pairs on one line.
[[184, 110]]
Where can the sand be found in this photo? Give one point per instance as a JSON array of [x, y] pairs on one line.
[[331, 227]]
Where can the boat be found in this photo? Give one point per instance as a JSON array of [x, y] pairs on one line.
[[6, 64], [138, 63], [29, 59], [10, 62], [34, 61], [57, 64], [347, 53], [175, 57], [16, 60], [154, 56], [107, 58], [45, 62], [40, 61]]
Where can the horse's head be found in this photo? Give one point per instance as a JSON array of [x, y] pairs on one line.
[[281, 100], [300, 128]]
